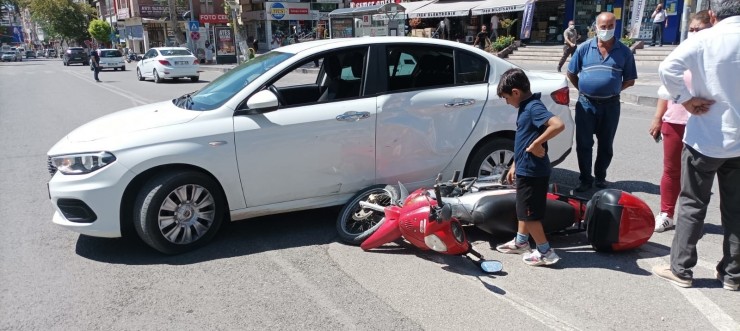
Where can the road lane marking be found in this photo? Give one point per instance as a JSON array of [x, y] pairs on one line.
[[711, 311], [136, 100]]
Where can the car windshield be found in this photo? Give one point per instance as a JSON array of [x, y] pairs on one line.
[[113, 53], [229, 84], [76, 50], [171, 52]]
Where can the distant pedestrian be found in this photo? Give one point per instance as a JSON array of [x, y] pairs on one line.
[[96, 65], [600, 69], [481, 38], [570, 38], [711, 143], [660, 20], [494, 27]]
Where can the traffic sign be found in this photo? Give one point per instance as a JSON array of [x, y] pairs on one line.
[[195, 35], [193, 25]]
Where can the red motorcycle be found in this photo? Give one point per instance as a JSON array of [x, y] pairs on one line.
[[612, 219], [427, 223]]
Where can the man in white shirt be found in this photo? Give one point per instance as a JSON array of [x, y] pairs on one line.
[[711, 142], [659, 21], [494, 27]]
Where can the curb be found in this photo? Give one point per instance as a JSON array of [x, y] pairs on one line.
[[225, 68]]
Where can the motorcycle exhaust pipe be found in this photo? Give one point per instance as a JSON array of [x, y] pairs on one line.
[[365, 204]]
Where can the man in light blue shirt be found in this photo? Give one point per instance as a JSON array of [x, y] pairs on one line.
[[711, 142], [600, 68]]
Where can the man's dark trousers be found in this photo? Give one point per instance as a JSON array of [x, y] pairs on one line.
[[567, 51], [600, 118], [697, 178], [96, 71], [657, 33]]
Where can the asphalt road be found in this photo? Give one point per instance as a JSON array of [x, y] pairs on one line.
[[289, 271]]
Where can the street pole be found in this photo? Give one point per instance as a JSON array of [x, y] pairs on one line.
[[192, 18], [687, 9]]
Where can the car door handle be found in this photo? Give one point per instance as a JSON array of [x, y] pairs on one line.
[[460, 103], [353, 116]]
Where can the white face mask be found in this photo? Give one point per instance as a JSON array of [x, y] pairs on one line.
[[571, 26], [605, 35]]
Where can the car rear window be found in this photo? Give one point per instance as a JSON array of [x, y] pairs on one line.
[[113, 53], [76, 50], [170, 52]]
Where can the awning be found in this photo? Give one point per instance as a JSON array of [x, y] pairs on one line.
[[414, 5], [444, 9], [499, 6]]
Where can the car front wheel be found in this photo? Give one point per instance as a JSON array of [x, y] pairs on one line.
[[492, 158], [178, 212], [194, 79], [138, 75]]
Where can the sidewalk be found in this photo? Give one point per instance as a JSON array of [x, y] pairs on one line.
[[643, 93]]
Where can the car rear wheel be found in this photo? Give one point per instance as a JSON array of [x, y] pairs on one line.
[[157, 79], [138, 75], [178, 212], [492, 158], [194, 79]]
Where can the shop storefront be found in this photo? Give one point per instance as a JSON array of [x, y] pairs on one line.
[[547, 22], [639, 23], [503, 10], [275, 24], [371, 21], [456, 15], [158, 31]]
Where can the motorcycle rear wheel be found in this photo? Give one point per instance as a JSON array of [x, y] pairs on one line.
[[356, 223]]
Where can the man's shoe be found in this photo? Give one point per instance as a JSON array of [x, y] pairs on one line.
[[727, 285], [664, 271], [583, 187], [663, 222], [600, 183]]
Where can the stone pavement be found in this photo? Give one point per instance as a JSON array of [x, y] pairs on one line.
[[643, 93]]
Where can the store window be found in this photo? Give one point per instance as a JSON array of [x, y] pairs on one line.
[[547, 22], [586, 12], [646, 25]]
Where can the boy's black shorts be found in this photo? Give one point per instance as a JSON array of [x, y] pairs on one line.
[[531, 198]]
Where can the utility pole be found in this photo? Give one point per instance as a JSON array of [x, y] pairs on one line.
[[688, 8]]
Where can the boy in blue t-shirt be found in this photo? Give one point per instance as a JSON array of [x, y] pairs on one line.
[[535, 125]]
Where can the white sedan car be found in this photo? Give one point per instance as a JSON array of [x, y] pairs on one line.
[[272, 136], [160, 63], [111, 59]]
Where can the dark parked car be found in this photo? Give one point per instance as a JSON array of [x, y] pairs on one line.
[[30, 54], [76, 55]]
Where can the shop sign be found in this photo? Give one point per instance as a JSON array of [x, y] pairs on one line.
[[214, 18], [502, 9], [439, 14], [527, 24], [367, 3], [638, 6], [122, 14], [277, 11], [160, 11]]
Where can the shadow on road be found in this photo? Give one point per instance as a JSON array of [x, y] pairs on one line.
[[570, 178], [269, 233]]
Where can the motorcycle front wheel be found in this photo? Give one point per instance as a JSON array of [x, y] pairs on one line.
[[356, 223]]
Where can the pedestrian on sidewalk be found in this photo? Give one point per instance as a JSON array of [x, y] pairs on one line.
[[96, 65], [711, 143], [669, 124], [570, 38], [480, 38], [531, 167], [659, 21], [600, 69], [494, 27]]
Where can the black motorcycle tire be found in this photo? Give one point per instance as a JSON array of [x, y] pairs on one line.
[[355, 224]]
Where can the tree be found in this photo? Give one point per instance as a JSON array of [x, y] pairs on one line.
[[100, 30], [64, 18]]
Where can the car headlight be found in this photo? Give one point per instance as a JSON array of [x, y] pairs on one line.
[[82, 163]]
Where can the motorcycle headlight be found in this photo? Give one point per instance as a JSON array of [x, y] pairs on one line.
[[435, 243], [82, 163], [457, 231]]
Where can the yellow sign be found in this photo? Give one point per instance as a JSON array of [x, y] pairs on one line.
[[618, 13]]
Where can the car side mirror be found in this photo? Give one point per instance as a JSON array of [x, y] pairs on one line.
[[262, 102]]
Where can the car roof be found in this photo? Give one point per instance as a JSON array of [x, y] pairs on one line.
[[169, 48], [363, 41]]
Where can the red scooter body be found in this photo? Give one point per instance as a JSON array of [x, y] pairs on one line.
[[413, 222]]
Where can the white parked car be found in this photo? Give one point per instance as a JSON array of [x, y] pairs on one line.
[[168, 62], [111, 59], [267, 137]]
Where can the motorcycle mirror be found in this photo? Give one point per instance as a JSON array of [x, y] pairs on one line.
[[445, 214], [404, 192], [491, 266]]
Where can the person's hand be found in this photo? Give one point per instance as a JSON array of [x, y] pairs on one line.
[[697, 106], [510, 175], [655, 127], [537, 150]]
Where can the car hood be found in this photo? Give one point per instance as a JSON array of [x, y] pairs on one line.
[[131, 120]]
